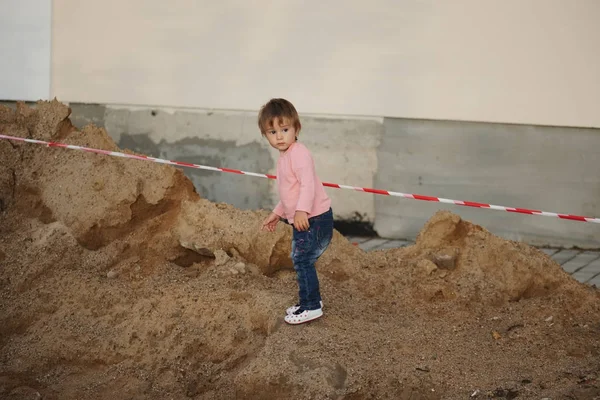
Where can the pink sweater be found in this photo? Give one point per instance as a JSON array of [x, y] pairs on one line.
[[299, 186]]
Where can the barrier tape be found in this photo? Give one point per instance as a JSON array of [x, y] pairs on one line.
[[332, 185]]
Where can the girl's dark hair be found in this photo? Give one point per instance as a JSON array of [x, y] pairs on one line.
[[280, 110]]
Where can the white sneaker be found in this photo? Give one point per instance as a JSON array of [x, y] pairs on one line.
[[303, 316], [293, 309]]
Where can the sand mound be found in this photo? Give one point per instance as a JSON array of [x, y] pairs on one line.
[[118, 281], [464, 261]]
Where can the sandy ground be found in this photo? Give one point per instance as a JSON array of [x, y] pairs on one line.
[[118, 282]]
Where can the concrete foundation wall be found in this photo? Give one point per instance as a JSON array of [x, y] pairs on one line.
[[540, 168], [544, 168], [344, 150]]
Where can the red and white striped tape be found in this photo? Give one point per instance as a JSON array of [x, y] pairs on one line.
[[333, 185]]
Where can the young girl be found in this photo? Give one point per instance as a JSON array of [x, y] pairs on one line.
[[303, 203]]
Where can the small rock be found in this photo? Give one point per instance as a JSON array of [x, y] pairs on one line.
[[112, 274], [233, 271], [427, 266], [496, 335], [240, 267], [203, 251], [475, 393], [446, 259], [549, 319], [234, 253], [221, 258], [253, 268]]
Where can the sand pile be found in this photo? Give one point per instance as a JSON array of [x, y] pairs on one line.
[[118, 281]]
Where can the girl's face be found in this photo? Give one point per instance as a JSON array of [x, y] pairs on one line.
[[281, 137]]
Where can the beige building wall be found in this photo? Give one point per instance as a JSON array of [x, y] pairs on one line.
[[513, 61], [25, 49]]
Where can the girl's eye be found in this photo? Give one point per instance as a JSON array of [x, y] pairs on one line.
[[285, 130], [272, 132]]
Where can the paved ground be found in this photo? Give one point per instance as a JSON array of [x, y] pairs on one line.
[[583, 265]]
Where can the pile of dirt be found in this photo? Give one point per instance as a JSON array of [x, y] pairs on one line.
[[118, 281]]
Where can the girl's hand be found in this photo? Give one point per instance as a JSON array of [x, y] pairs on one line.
[[270, 223], [301, 221]]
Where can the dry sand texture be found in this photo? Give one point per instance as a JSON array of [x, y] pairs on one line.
[[118, 281]]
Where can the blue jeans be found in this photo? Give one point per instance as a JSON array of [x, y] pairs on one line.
[[307, 247]]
